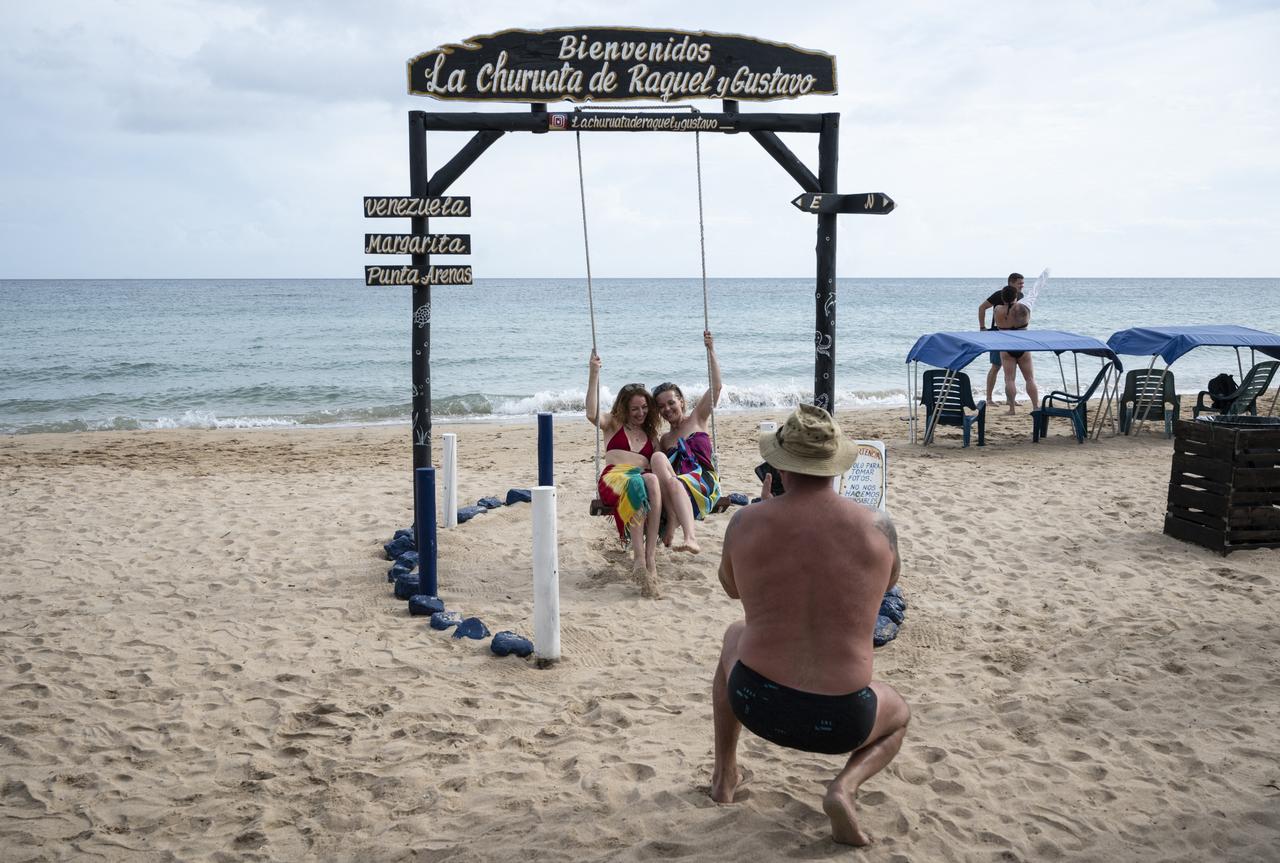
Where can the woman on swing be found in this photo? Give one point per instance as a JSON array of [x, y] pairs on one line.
[[627, 482], [690, 485]]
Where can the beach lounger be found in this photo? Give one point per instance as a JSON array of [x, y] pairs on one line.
[[1149, 396], [1244, 399], [947, 394], [1068, 406]]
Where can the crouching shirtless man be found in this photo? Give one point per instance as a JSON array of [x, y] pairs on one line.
[[810, 568]]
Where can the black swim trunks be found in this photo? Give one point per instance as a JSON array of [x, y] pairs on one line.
[[834, 724]]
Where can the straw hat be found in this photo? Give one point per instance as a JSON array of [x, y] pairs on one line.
[[809, 442]]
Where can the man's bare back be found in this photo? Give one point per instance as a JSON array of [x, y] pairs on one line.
[[811, 570]]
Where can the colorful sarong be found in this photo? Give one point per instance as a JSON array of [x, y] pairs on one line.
[[691, 462], [621, 486]]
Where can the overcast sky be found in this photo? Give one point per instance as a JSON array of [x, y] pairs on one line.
[[192, 138]]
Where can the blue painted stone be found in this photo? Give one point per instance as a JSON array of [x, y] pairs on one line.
[[893, 608], [466, 513], [519, 495], [445, 619], [506, 643], [406, 586], [404, 564], [896, 590], [472, 627], [398, 546], [737, 498], [421, 603], [489, 502], [886, 631]]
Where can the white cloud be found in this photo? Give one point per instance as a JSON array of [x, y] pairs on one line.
[[237, 138]]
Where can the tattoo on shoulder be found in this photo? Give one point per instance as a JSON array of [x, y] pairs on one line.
[[884, 524]]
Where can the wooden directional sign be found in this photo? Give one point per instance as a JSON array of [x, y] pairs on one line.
[[873, 203], [429, 207], [417, 244], [619, 64], [429, 275]]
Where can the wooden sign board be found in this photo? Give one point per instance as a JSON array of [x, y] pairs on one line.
[[392, 207], [429, 275], [417, 244], [868, 480], [619, 64], [872, 203]]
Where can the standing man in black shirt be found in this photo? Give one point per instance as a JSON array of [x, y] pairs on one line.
[[1015, 282]]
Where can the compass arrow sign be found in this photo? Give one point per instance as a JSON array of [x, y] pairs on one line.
[[874, 203]]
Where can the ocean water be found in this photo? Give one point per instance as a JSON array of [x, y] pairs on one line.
[[127, 354]]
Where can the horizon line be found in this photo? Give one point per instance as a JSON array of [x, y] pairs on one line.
[[579, 277]]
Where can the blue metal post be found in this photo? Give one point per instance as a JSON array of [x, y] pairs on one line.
[[546, 441], [424, 519]]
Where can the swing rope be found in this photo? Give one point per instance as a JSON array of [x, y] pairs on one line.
[[706, 316], [591, 303]]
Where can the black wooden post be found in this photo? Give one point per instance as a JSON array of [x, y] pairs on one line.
[[824, 339], [421, 328]]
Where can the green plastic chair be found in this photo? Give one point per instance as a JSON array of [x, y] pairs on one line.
[[1067, 405], [1245, 399], [1149, 396], [950, 399]]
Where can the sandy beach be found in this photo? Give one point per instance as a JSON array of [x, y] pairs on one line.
[[202, 660]]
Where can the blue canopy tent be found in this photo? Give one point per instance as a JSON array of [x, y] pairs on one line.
[[1171, 342], [954, 351]]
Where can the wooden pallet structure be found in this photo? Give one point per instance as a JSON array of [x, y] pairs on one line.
[[1224, 487]]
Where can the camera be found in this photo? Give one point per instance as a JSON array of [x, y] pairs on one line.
[[776, 484]]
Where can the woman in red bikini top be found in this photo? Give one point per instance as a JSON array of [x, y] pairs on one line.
[[626, 483], [630, 426]]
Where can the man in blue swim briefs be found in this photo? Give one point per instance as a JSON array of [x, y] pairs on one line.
[[810, 568]]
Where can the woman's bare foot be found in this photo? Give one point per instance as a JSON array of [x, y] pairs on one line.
[[649, 582], [722, 789], [838, 805], [689, 545]]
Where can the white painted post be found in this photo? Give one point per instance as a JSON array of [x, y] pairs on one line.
[[546, 576], [449, 487]]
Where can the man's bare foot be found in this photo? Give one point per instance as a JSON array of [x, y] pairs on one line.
[[1011, 410], [688, 544], [723, 790], [844, 823]]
